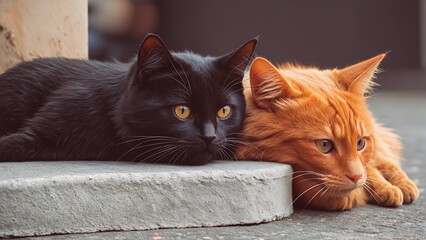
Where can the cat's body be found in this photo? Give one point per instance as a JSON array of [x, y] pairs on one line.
[[161, 107], [318, 121]]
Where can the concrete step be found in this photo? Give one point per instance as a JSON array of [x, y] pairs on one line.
[[43, 198]]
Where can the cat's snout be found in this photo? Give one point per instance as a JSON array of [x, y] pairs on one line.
[[354, 178], [208, 139]]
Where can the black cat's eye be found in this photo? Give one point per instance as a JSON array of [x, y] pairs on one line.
[[182, 112], [324, 145], [361, 144], [224, 112]]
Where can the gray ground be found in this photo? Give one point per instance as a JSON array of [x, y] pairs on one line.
[[406, 112]]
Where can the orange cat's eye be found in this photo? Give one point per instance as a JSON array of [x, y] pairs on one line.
[[224, 112], [182, 112], [324, 145], [361, 144]]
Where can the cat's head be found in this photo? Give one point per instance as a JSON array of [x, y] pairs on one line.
[[182, 107], [316, 120]]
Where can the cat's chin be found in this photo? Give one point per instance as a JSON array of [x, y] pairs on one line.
[[341, 192], [198, 158]]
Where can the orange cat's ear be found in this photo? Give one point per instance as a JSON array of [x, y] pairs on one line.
[[358, 78], [268, 85]]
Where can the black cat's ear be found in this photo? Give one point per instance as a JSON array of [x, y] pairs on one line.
[[153, 56], [236, 62]]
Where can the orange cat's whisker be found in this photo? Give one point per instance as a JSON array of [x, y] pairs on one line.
[[372, 192], [312, 187], [307, 179], [322, 188], [304, 173]]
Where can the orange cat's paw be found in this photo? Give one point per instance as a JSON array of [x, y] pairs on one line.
[[409, 190], [341, 204], [390, 196]]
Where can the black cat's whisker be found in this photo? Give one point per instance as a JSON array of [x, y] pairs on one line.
[[158, 152], [175, 154], [236, 67], [230, 151], [170, 151], [236, 133], [234, 82], [165, 153], [241, 141], [143, 144], [220, 155], [183, 85], [153, 136], [184, 154], [176, 157], [159, 148], [235, 91], [224, 154], [186, 76], [103, 150], [174, 67], [138, 138]]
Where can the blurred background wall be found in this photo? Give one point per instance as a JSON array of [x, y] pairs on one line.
[[332, 33], [42, 28]]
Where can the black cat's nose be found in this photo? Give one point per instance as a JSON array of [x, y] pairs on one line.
[[208, 133], [208, 139]]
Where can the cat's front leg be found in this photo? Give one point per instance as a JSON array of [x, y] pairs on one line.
[[18, 146], [386, 160], [397, 177], [381, 191]]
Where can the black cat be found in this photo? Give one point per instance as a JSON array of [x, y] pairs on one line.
[[176, 108]]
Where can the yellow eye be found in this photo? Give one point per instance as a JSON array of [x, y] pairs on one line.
[[224, 112], [182, 112]]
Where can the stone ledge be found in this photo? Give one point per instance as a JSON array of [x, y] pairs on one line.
[[42, 198]]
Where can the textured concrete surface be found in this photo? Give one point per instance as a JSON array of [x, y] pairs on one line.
[[42, 28], [40, 198], [406, 112]]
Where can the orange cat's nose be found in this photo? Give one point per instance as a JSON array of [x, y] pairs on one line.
[[354, 178]]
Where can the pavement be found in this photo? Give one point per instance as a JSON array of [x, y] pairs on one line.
[[403, 111]]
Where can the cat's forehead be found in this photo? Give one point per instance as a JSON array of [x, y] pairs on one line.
[[312, 78], [194, 62]]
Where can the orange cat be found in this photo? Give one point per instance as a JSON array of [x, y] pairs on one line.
[[318, 121]]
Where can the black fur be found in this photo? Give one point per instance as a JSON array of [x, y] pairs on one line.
[[66, 109]]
